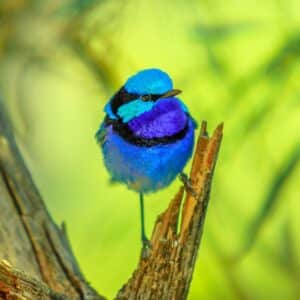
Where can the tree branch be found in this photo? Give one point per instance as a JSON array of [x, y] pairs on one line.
[[19, 286], [166, 272], [29, 239]]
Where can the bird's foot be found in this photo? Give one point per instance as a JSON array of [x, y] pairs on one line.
[[146, 249], [187, 183]]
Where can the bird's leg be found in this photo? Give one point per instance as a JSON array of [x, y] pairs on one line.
[[145, 241], [187, 183]]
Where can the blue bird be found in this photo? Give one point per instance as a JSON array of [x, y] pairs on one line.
[[147, 136]]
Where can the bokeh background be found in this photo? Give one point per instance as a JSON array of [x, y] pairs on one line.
[[236, 61]]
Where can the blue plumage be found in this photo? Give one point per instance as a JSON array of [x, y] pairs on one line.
[[147, 136], [149, 81], [146, 169]]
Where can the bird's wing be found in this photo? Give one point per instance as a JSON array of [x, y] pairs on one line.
[[101, 134]]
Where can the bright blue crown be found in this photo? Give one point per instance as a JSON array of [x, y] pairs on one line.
[[149, 81]]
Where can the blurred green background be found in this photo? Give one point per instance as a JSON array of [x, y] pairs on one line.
[[236, 61]]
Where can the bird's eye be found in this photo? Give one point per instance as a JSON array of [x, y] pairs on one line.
[[146, 97]]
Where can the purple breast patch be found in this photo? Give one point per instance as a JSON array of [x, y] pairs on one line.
[[165, 119]]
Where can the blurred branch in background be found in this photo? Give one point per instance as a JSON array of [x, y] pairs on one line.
[[278, 67], [212, 35], [281, 178], [32, 32]]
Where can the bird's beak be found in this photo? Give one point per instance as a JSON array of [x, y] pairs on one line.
[[171, 93]]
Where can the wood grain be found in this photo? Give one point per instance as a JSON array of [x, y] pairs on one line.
[[166, 272]]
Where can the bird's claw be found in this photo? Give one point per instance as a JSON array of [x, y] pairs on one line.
[[146, 243], [187, 183], [146, 250]]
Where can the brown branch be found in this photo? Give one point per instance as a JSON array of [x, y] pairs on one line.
[[32, 242], [17, 285], [166, 272], [29, 239]]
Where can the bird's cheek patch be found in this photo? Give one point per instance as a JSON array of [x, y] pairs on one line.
[[133, 109], [109, 112]]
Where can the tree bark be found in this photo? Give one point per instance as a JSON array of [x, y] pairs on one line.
[[30, 241], [166, 272]]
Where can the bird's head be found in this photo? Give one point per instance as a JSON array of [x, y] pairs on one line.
[[140, 94]]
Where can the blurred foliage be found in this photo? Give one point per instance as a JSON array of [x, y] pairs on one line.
[[236, 61]]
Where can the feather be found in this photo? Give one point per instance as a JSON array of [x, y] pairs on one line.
[[101, 134]]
